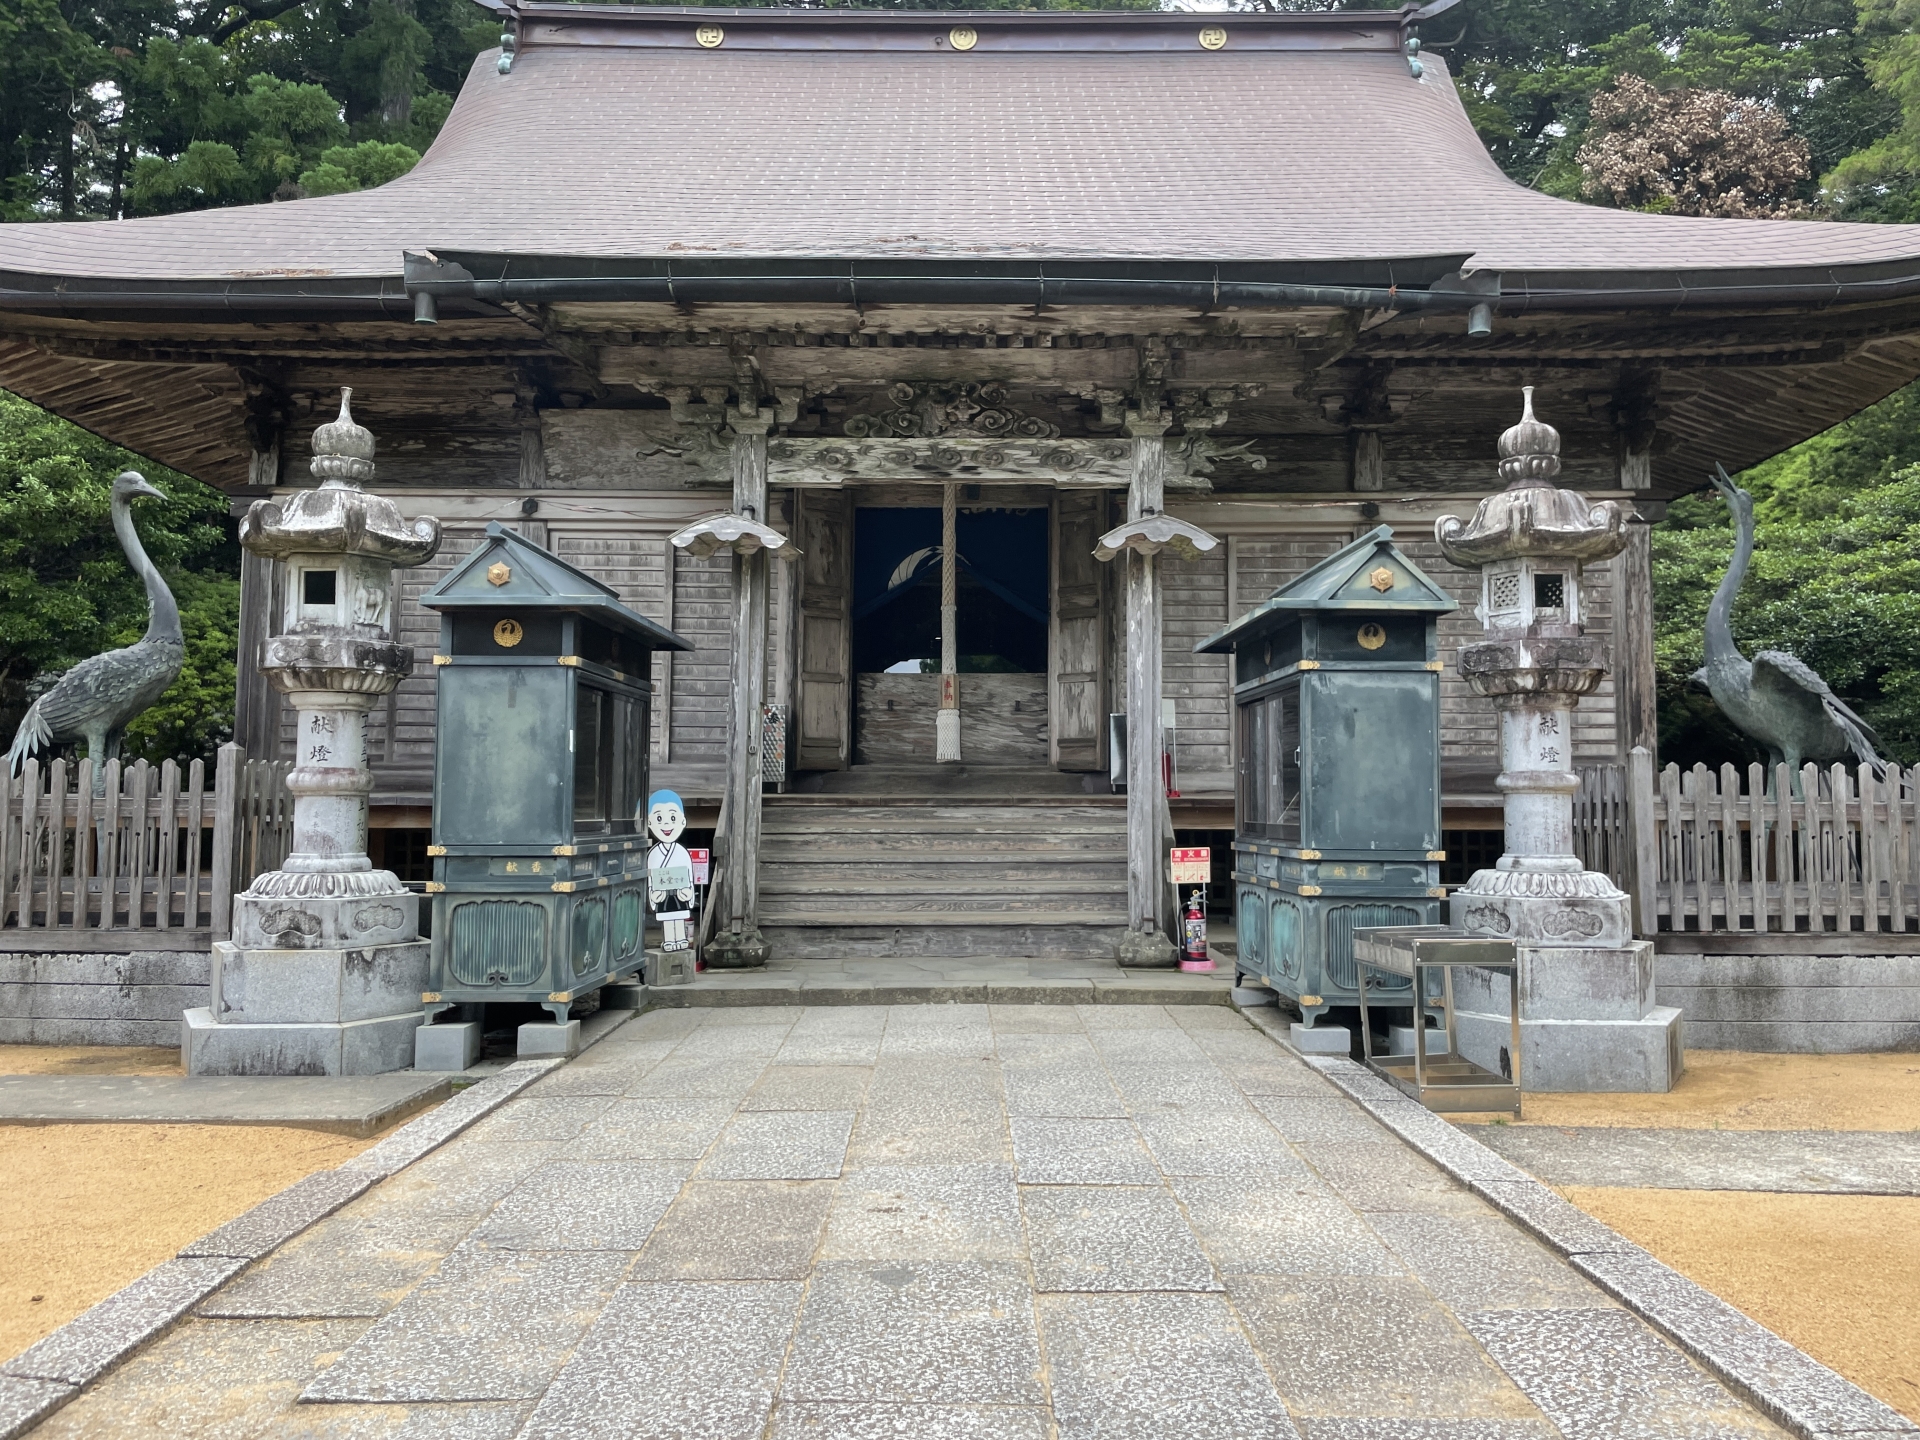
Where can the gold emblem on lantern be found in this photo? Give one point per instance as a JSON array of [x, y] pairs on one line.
[[963, 37], [708, 37], [1381, 579], [1213, 37], [1372, 636], [499, 573], [507, 634]]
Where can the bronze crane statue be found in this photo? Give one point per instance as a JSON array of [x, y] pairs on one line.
[[1775, 698], [99, 697]]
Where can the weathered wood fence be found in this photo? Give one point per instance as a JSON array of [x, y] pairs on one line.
[[146, 848], [1737, 851]]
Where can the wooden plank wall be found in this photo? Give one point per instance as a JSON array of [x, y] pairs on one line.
[[636, 566], [703, 613], [1194, 606]]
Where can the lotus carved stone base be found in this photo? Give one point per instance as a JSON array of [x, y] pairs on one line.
[[1544, 909], [290, 920]]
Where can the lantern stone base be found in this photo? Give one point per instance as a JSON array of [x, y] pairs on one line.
[[1588, 1021], [1147, 950], [359, 1047], [343, 1011], [737, 950]]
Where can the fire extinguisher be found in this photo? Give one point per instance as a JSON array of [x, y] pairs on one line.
[[1194, 957]]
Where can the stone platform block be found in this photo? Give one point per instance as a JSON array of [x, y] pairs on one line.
[[443, 1048], [624, 995], [305, 987], [1400, 1040], [358, 1047], [668, 967], [540, 1038], [1643, 1056], [1320, 1039]]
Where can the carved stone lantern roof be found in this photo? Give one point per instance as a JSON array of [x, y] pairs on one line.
[[1151, 534], [733, 533], [1533, 517], [338, 517]]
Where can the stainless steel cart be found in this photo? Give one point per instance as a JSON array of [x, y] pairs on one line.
[[1449, 1082]]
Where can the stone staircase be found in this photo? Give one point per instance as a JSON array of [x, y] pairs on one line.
[[869, 875]]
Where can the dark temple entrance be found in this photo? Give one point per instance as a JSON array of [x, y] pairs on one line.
[[1001, 597]]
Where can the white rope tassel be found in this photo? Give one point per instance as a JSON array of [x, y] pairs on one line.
[[946, 733]]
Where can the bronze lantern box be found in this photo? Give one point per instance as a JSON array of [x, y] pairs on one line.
[[544, 714]]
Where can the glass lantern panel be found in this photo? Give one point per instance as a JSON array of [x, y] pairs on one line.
[[1287, 745], [1253, 765], [593, 760]]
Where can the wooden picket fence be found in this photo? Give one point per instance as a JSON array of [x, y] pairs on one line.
[[1742, 852], [149, 848]]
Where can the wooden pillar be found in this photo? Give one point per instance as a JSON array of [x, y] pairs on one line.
[[737, 943], [1146, 942], [1633, 684], [946, 739], [256, 704], [1369, 459]]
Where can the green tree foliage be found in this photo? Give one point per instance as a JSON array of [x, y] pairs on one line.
[[111, 108], [67, 592], [1528, 72]]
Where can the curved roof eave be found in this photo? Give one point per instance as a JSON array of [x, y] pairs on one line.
[[1319, 160]]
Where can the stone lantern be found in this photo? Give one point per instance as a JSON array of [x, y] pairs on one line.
[[325, 967], [1585, 985]]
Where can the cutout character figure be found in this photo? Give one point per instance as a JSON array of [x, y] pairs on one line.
[[669, 870]]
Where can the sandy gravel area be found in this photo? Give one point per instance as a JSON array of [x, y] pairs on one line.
[[88, 1208], [1838, 1275], [89, 1060], [1738, 1090]]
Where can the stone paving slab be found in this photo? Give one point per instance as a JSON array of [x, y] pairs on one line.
[[1810, 1162], [936, 1332], [490, 1325], [357, 1105], [1156, 1367], [948, 1266], [1053, 1151], [1112, 1238], [711, 1353], [739, 1230]]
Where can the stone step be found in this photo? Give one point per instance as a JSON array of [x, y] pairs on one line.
[[935, 906], [932, 824], [916, 849], [816, 872], [776, 805], [878, 936]]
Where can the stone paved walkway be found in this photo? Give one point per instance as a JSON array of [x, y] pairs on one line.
[[1810, 1162], [943, 1222]]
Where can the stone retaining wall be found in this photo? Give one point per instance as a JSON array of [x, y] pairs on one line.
[[127, 999], [1810, 1004]]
